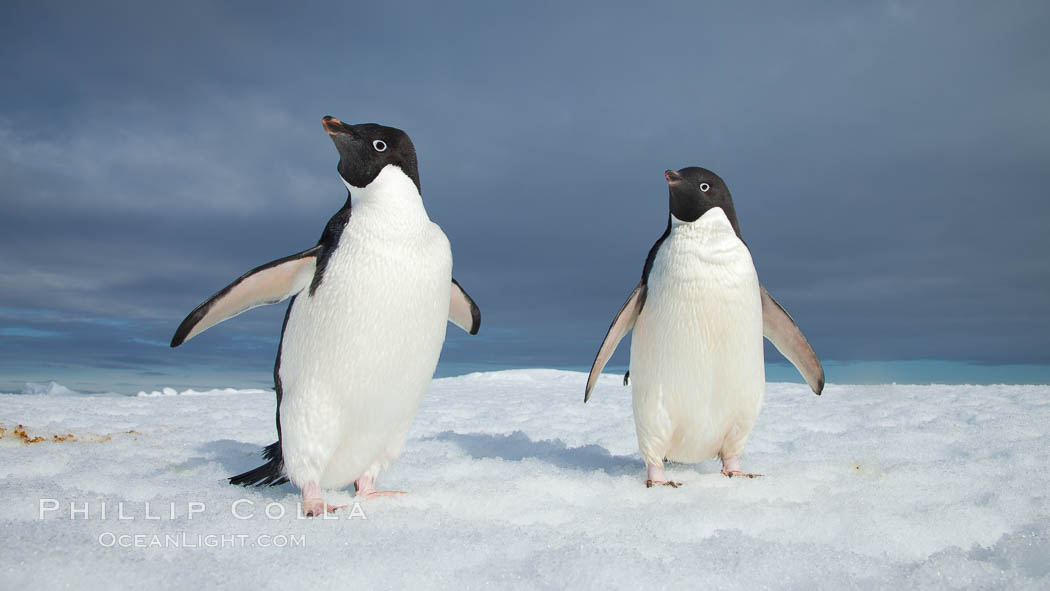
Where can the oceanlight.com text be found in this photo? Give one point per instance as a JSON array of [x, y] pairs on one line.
[[209, 541]]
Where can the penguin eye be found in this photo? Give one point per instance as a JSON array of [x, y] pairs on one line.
[[379, 145], [704, 187]]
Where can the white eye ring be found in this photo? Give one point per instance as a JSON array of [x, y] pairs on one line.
[[379, 145], [704, 187]]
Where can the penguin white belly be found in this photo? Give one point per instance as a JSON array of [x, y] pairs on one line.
[[696, 354], [359, 353]]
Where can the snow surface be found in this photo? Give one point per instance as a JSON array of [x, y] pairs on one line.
[[47, 389], [514, 483]]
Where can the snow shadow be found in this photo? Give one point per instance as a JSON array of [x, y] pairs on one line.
[[517, 446], [235, 457], [1026, 549]]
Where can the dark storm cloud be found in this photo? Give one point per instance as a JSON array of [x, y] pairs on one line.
[[889, 163]]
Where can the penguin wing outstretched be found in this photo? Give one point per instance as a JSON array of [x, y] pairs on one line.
[[621, 325], [462, 311], [271, 283], [781, 330]]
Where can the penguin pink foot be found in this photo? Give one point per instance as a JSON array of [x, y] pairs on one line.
[[656, 477], [365, 487], [314, 504], [731, 468]]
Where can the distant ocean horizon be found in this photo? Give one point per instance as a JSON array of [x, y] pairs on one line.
[[131, 381]]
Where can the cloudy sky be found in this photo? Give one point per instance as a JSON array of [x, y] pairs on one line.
[[890, 164]]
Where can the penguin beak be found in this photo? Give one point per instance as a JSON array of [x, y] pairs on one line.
[[334, 126], [672, 177]]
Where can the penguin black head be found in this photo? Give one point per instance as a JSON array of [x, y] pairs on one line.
[[695, 190], [365, 149]]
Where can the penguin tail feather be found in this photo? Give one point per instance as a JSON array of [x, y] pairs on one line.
[[269, 474]]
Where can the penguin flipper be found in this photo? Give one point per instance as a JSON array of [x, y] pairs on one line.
[[462, 311], [267, 284], [781, 330], [621, 325]]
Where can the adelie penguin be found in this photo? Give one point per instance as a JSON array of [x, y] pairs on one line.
[[699, 314], [364, 328]]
